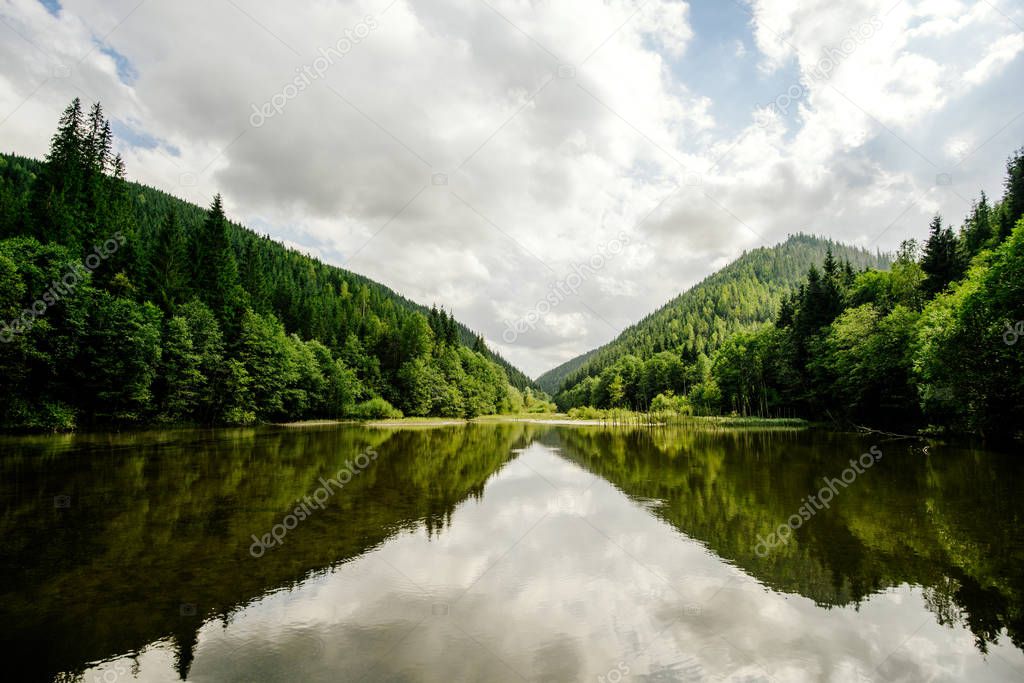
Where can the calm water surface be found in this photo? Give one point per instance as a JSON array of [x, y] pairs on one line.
[[507, 552]]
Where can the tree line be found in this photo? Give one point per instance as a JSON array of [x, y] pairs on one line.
[[121, 304], [930, 342]]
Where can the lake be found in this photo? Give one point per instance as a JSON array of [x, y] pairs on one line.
[[508, 552]]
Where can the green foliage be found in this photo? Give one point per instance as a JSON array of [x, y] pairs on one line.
[[376, 409], [531, 402], [977, 229], [941, 261], [167, 272], [868, 355], [969, 360], [180, 379], [186, 316], [1011, 209], [673, 405], [743, 295], [935, 341], [121, 356]]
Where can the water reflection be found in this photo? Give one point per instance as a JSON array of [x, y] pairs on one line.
[[506, 552]]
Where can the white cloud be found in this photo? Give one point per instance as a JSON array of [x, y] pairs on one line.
[[558, 125]]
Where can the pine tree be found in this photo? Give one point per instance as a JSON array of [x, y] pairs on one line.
[[117, 223], [167, 267], [216, 271], [451, 330], [1013, 196], [940, 261], [787, 310], [434, 320], [54, 205], [830, 267], [977, 229], [254, 277], [848, 274], [96, 148]]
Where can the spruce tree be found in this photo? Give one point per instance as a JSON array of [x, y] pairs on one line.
[[167, 267], [54, 205], [451, 329], [1013, 197], [255, 279], [977, 229], [215, 270], [96, 147], [941, 260]]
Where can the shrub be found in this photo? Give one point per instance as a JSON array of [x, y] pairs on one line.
[[668, 403], [376, 409]]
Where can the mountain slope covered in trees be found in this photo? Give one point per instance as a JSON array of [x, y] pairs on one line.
[[552, 380], [933, 342], [120, 303], [743, 294]]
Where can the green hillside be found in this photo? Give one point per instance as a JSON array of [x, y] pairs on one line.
[[149, 205], [551, 380], [121, 303], [745, 293]]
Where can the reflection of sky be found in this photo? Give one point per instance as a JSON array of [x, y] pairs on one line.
[[554, 575]]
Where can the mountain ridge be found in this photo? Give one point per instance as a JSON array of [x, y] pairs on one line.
[[767, 272]]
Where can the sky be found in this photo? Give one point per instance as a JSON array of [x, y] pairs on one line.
[[550, 171]]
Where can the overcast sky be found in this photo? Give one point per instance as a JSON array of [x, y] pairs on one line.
[[484, 154]]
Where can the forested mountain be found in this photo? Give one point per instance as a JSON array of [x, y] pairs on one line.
[[122, 303], [551, 380], [745, 293], [933, 342]]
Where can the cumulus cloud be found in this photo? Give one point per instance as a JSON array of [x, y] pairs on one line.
[[469, 153]]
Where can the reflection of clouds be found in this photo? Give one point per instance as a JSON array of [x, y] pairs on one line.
[[520, 587]]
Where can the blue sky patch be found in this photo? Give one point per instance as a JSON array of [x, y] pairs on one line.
[[52, 6], [721, 63], [136, 137], [126, 71]]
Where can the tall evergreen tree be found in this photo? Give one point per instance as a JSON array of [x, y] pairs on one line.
[[977, 229], [253, 276], [941, 260], [1013, 196], [167, 265], [215, 270], [96, 158], [54, 205]]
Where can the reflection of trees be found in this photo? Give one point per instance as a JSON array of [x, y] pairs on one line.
[[944, 521], [162, 519], [157, 523]]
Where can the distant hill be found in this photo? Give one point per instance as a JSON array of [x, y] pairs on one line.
[[745, 293], [551, 380]]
